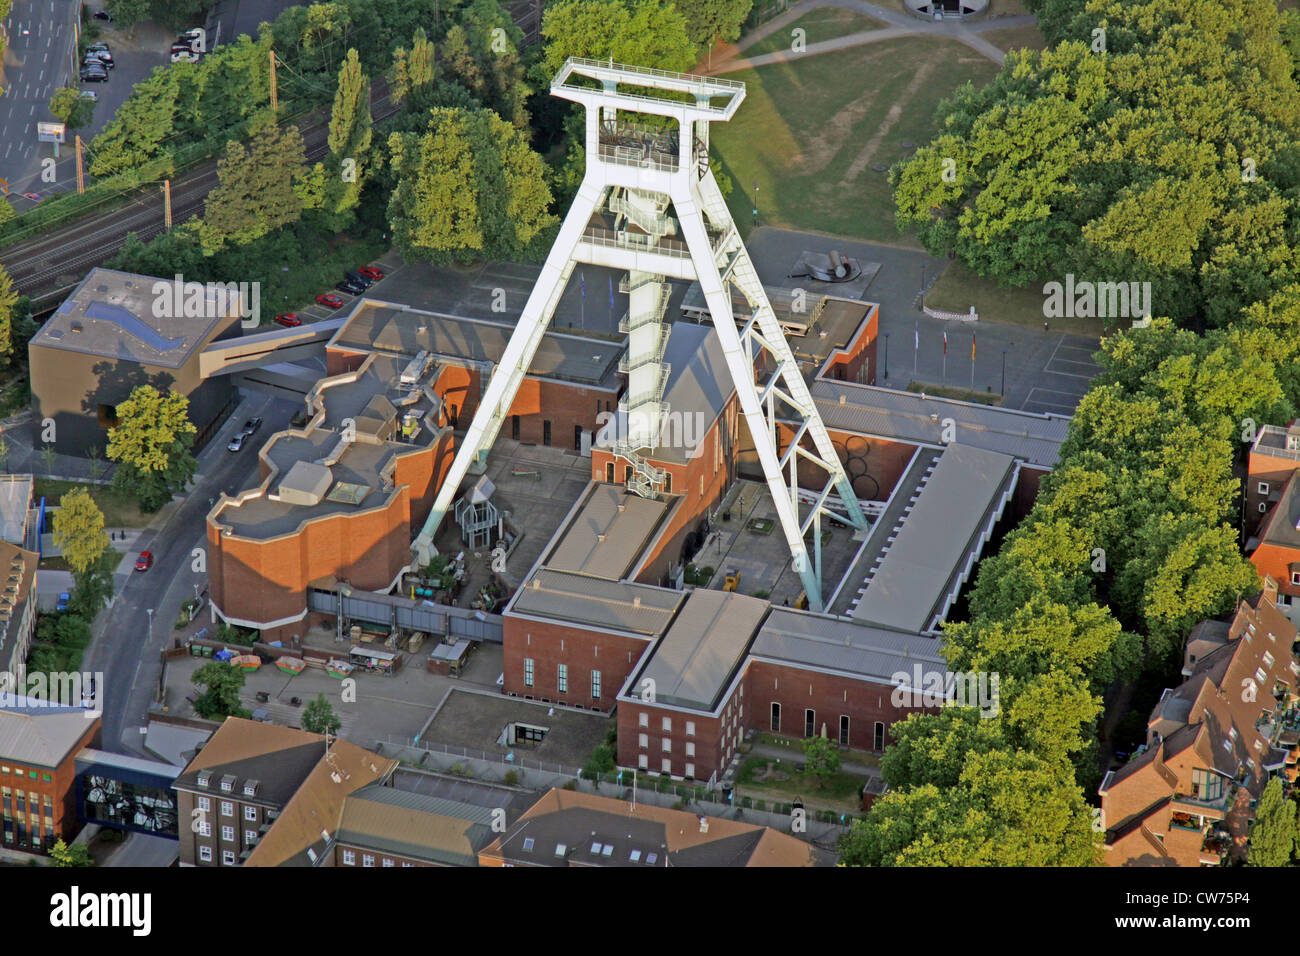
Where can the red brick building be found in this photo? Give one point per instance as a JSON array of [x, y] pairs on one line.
[[1212, 744], [38, 773], [1272, 511]]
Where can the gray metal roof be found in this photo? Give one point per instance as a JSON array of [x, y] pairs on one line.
[[935, 540], [701, 649], [1283, 527], [608, 534], [43, 739], [863, 650], [394, 328], [1032, 437], [597, 602], [15, 502], [112, 314]]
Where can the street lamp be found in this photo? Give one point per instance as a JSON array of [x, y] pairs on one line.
[[1004, 372], [756, 203], [150, 612], [886, 356]]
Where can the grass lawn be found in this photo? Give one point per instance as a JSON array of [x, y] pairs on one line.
[[811, 131], [959, 288], [840, 792], [59, 563], [825, 23], [120, 510], [959, 394], [1013, 38]]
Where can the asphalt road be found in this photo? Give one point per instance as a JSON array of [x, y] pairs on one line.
[[123, 648], [38, 60]]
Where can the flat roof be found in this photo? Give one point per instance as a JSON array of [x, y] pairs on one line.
[[831, 643], [597, 602], [608, 534], [15, 502], [393, 327], [703, 646], [111, 314], [909, 416], [914, 575]]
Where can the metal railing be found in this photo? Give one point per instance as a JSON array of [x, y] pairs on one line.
[[624, 240]]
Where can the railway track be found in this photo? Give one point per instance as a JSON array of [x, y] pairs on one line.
[[54, 262]]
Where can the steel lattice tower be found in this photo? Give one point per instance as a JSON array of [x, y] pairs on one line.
[[634, 173]]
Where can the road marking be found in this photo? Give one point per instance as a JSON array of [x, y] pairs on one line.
[[1039, 388]]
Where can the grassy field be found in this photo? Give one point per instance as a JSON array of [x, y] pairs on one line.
[[812, 131], [1013, 38], [959, 288], [840, 792], [957, 394], [120, 510], [824, 23]]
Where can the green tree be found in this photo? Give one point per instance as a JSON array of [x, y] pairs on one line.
[[70, 107], [414, 72], [714, 21], [255, 193], [79, 530], [9, 305], [318, 717], [637, 32], [1273, 835], [821, 759], [601, 762], [469, 188], [221, 685], [151, 444], [139, 127], [349, 144], [76, 855]]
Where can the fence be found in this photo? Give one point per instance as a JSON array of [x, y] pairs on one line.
[[971, 316]]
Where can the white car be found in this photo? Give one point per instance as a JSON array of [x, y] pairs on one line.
[[181, 56], [89, 95]]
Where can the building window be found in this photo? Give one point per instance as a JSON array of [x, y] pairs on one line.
[[227, 808], [350, 856], [609, 472], [666, 766], [387, 861], [228, 834], [546, 431], [226, 785], [250, 836], [844, 730], [1268, 660], [668, 725], [690, 728], [205, 804], [367, 859], [577, 438], [514, 427], [645, 720], [879, 737], [776, 717], [250, 813], [1262, 507], [205, 828], [46, 778], [528, 672], [668, 483], [1263, 487], [809, 722], [643, 762], [205, 854], [562, 679], [627, 474], [690, 771], [227, 857], [595, 685], [643, 741], [690, 750], [667, 745], [1295, 577]]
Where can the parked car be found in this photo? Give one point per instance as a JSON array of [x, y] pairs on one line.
[[145, 561], [184, 56], [64, 598], [97, 47], [34, 197], [289, 319], [370, 272], [237, 442], [252, 425], [104, 15], [94, 74], [89, 95], [329, 299], [100, 59], [359, 279], [350, 287]]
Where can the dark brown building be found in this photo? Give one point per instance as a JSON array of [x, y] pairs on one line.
[[38, 750]]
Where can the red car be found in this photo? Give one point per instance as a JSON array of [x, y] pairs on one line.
[[289, 319], [329, 299], [145, 561], [370, 272]]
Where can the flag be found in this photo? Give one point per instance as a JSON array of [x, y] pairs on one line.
[[945, 341], [583, 279], [972, 346]]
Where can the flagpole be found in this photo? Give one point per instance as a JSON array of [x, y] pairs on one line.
[[916, 349], [972, 361], [945, 356]]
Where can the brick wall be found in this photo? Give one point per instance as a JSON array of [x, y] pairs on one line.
[[700, 731], [61, 788], [1275, 472], [582, 651]]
